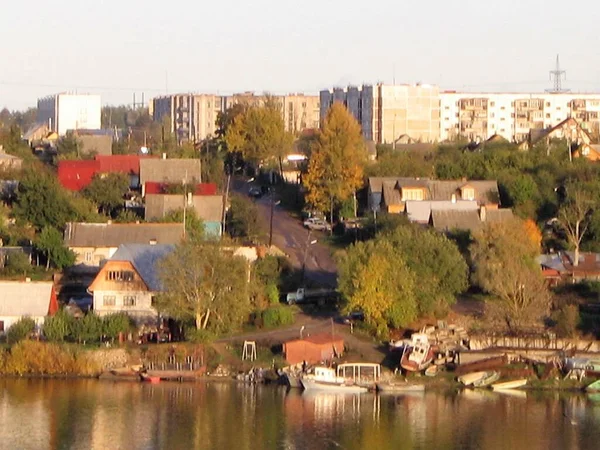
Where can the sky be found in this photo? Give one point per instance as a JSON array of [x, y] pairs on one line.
[[126, 47]]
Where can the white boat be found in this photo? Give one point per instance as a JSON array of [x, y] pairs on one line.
[[326, 379], [479, 379], [392, 387], [513, 384]]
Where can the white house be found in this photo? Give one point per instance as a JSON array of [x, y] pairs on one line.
[[20, 299]]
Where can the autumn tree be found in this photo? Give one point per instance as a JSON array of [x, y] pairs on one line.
[[259, 134], [506, 267], [205, 284], [335, 169], [574, 216], [374, 279]]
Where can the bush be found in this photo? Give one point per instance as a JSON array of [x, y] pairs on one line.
[[89, 329], [192, 334], [567, 320], [277, 316], [17, 263], [114, 324], [20, 330], [272, 294], [59, 327]]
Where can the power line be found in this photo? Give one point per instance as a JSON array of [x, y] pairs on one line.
[[557, 75]]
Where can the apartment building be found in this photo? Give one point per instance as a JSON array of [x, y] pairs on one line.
[[192, 117], [387, 113], [64, 112], [477, 116]]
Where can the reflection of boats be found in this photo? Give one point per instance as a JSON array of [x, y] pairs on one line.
[[326, 379], [479, 379], [513, 384], [418, 355], [392, 387]]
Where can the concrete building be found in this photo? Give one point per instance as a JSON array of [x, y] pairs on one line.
[[389, 113], [192, 117], [64, 112], [477, 116]]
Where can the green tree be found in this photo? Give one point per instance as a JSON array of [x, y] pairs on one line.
[[115, 324], [335, 169], [50, 243], [17, 263], [204, 283], [59, 327], [575, 215], [194, 225], [108, 192], [436, 262], [41, 201], [88, 329], [374, 278], [506, 267], [68, 147], [242, 219], [20, 330]]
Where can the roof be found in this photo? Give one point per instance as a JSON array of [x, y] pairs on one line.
[[144, 257], [152, 187], [75, 175], [207, 207], [498, 215], [420, 211], [562, 262], [22, 298], [120, 163], [581, 134], [376, 183], [102, 145], [453, 219], [169, 170], [320, 339], [116, 234], [8, 156]]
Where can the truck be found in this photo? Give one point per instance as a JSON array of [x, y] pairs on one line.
[[319, 296]]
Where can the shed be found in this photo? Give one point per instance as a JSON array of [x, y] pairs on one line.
[[313, 349], [26, 299]]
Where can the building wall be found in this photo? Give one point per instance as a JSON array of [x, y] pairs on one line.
[[512, 115], [142, 313], [92, 256], [8, 321], [64, 112]]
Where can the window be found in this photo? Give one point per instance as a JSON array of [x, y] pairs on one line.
[[492, 103], [129, 300], [547, 116], [468, 193], [412, 194], [109, 300], [547, 104], [492, 115], [153, 300], [502, 108], [120, 275], [88, 256]]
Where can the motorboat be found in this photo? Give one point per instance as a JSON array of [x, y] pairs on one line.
[[326, 379], [513, 384], [418, 355]]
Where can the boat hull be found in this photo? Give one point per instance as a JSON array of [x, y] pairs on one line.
[[292, 380], [400, 387], [312, 385], [514, 384], [413, 366]]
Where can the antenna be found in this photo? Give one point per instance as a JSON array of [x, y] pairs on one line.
[[557, 76]]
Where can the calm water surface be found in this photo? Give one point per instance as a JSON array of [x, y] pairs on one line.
[[90, 414]]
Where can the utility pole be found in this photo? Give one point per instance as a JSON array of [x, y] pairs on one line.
[[225, 203], [557, 76], [184, 201], [271, 220]]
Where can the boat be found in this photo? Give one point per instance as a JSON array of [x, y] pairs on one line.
[[326, 379], [591, 367], [417, 356], [432, 371], [593, 387], [513, 384], [479, 379], [391, 387], [493, 363]]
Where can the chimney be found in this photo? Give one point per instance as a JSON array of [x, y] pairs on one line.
[[152, 241], [164, 156], [453, 198], [482, 213]]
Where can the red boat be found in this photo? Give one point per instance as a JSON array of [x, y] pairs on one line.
[[417, 356]]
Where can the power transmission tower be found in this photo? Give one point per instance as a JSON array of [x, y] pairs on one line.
[[557, 76]]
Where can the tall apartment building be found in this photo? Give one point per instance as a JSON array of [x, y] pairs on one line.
[[192, 117], [388, 112], [299, 111], [64, 112], [477, 116]]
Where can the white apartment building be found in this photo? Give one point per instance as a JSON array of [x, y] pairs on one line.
[[478, 116], [64, 112]]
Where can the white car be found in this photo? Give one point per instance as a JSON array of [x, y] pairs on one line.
[[315, 223]]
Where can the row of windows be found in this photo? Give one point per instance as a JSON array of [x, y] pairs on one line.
[[111, 300], [120, 275]]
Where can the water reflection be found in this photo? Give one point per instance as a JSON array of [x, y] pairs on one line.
[[52, 414]]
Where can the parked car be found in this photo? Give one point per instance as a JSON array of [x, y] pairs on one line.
[[255, 192], [315, 223]]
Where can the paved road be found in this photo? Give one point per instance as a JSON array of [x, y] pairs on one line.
[[292, 238]]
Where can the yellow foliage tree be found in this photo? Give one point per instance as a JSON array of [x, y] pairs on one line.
[[335, 169], [533, 232]]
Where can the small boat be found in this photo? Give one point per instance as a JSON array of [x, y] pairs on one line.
[[432, 371], [417, 357], [326, 379], [479, 379], [149, 379], [392, 387], [593, 387], [513, 384]]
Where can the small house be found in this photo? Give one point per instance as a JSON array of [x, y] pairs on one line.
[[20, 299], [313, 349]]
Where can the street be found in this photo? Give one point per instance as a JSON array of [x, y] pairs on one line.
[[290, 236]]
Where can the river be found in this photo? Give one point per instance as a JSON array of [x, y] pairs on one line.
[[91, 414]]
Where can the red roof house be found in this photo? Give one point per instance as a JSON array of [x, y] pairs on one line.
[[75, 175], [120, 163]]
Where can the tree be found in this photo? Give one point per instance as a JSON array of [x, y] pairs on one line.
[[115, 324], [17, 263], [59, 327], [335, 169], [242, 220], [194, 225], [574, 216], [506, 267], [374, 279], [259, 134], [20, 330], [437, 263], [50, 242], [68, 147], [41, 201], [108, 192], [204, 283]]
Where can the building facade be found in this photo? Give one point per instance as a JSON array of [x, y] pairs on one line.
[[388, 113], [478, 116], [64, 112]]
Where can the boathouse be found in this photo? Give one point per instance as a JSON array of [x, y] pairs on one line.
[[313, 349]]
